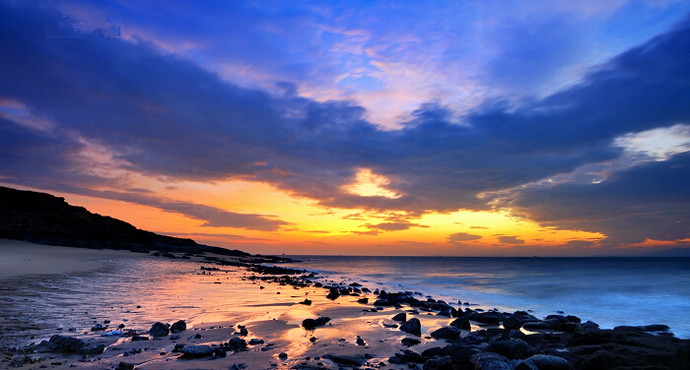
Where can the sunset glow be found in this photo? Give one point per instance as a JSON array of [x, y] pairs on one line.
[[358, 128]]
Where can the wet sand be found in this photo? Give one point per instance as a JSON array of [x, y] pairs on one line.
[[18, 258]]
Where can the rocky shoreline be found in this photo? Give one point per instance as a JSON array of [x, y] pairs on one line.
[[460, 338]]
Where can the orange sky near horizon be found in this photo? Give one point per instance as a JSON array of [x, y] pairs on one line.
[[315, 229]]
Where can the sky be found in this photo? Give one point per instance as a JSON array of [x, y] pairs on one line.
[[454, 128]]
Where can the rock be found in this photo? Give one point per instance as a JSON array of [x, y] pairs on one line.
[[159, 330], [587, 328], [491, 317], [198, 351], [402, 317], [545, 362], [449, 332], [412, 326], [512, 349], [178, 347], [238, 344], [124, 366], [283, 355], [363, 300], [360, 341], [461, 323], [311, 324], [439, 363], [98, 327], [306, 302], [174, 337], [408, 356], [93, 349], [490, 361], [654, 328], [60, 343], [333, 294], [410, 341], [243, 330], [137, 337], [178, 326], [254, 341], [356, 360]]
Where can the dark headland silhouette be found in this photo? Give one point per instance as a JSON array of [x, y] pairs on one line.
[[46, 219]]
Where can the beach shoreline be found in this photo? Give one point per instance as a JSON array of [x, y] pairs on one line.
[[360, 330]]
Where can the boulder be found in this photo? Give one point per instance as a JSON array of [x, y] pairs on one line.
[[544, 362], [449, 332], [159, 330], [402, 317], [412, 326], [490, 361], [178, 326], [461, 323], [512, 349], [410, 341], [198, 351], [311, 324]]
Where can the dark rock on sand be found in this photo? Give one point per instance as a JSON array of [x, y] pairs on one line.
[[63, 344], [360, 341], [363, 300], [98, 327], [136, 337], [448, 332], [124, 366], [461, 323], [408, 356], [333, 294], [544, 362], [306, 302], [439, 363], [311, 324], [92, 349], [283, 355], [255, 341], [402, 317], [412, 326], [352, 360], [178, 326], [512, 348], [159, 330], [237, 345], [199, 351], [490, 361], [491, 317], [410, 341]]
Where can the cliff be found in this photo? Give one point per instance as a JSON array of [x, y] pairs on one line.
[[45, 219]]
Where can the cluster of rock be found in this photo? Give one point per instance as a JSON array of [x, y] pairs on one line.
[[520, 340]]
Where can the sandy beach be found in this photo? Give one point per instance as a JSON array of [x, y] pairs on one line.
[[256, 317], [21, 258]]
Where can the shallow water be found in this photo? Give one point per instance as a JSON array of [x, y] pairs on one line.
[[608, 291], [132, 291]]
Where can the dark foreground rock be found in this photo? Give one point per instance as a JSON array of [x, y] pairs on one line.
[[64, 344], [178, 326], [159, 330], [311, 324], [412, 326]]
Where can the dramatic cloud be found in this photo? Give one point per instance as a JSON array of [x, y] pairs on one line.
[[162, 114], [646, 202]]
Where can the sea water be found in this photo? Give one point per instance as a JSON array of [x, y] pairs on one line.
[[610, 291]]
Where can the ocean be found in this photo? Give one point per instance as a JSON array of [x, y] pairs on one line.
[[610, 291]]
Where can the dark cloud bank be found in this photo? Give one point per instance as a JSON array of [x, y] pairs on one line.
[[165, 116]]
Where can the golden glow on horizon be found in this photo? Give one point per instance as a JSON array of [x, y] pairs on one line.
[[314, 229]]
